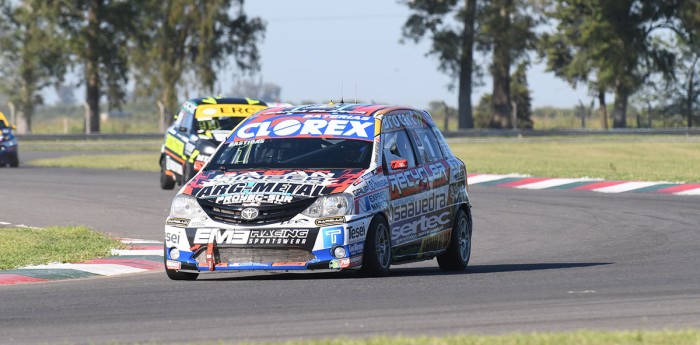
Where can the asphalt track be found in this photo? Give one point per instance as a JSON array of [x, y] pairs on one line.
[[542, 261]]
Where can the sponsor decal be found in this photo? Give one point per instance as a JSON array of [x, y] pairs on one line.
[[371, 185], [179, 222], [313, 177], [206, 235], [172, 165], [418, 228], [220, 192], [406, 120], [434, 243], [372, 202], [295, 221], [173, 265], [253, 199], [411, 249], [336, 126], [356, 248], [330, 220], [356, 231], [173, 238], [411, 178], [227, 110], [278, 236], [413, 206], [247, 142], [333, 236], [458, 193]]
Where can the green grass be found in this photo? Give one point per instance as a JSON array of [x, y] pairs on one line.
[[657, 158], [131, 161], [92, 145], [21, 247], [612, 160], [687, 337]]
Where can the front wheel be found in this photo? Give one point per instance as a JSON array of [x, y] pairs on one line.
[[14, 161], [166, 182], [376, 258], [460, 248], [177, 275]]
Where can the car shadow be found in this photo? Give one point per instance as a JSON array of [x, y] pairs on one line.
[[398, 271]]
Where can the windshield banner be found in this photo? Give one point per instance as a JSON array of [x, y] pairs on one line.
[[306, 126]]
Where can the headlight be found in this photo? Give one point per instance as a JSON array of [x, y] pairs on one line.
[[329, 206], [185, 206], [208, 150], [11, 142]]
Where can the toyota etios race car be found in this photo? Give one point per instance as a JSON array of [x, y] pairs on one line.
[[323, 187]]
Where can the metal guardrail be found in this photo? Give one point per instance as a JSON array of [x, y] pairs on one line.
[[466, 133]]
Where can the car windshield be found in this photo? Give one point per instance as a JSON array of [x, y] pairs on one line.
[[293, 153], [218, 123]]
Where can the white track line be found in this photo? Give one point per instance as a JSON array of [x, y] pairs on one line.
[[101, 269], [626, 187], [552, 183], [695, 191], [127, 252], [487, 178]]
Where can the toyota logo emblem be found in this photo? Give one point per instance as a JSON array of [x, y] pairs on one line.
[[249, 213]]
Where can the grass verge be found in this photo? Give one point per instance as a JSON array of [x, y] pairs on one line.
[[686, 337], [674, 161], [21, 247], [92, 145], [131, 161], [610, 158]]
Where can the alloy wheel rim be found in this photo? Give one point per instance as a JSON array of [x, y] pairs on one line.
[[464, 239], [382, 245]]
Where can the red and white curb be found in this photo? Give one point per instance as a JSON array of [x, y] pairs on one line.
[[139, 256], [589, 184]]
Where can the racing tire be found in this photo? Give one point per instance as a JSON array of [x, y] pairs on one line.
[[188, 172], [166, 182], [177, 275], [376, 257], [14, 161], [459, 250]]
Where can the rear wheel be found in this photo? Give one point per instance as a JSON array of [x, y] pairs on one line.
[[166, 181], [14, 161], [460, 248], [376, 258]]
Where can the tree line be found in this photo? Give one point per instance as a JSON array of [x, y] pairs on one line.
[[629, 48], [647, 49], [158, 42]]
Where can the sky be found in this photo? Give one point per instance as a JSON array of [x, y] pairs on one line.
[[323, 50]]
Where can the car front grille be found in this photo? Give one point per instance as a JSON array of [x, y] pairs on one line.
[[255, 255], [231, 214]]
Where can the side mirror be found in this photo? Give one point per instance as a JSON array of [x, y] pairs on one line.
[[399, 164]]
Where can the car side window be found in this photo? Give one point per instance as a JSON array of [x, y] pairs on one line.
[[397, 146], [187, 121], [427, 146]]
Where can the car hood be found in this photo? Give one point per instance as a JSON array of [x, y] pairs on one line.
[[258, 187]]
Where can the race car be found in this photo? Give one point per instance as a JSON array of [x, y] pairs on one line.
[[9, 152], [199, 127], [323, 187]]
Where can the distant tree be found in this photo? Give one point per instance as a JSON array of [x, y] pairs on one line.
[[31, 56], [483, 112], [506, 30], [65, 93], [613, 41], [97, 33], [520, 95], [198, 37], [268, 92], [454, 46]]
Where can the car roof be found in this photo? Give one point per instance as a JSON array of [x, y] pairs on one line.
[[226, 100], [332, 109]]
